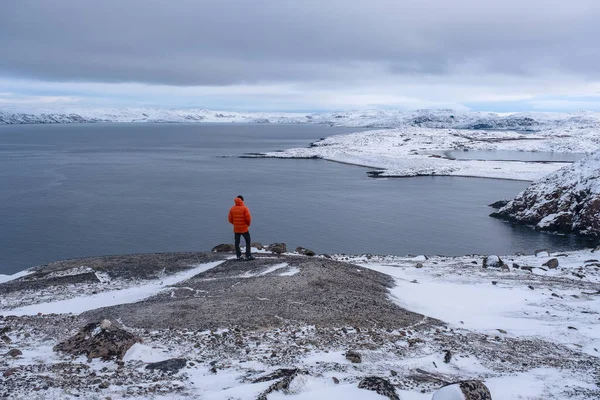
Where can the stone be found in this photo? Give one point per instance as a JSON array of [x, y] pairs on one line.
[[172, 365], [282, 385], [541, 253], [95, 342], [354, 356], [551, 263], [419, 265], [14, 353], [470, 390], [380, 386], [335, 380], [498, 204], [527, 268], [492, 261], [277, 248], [223, 248], [305, 252], [447, 356], [6, 339], [256, 245]]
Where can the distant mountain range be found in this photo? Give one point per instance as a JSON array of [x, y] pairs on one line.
[[363, 119]]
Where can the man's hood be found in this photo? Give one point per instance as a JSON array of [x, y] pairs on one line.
[[238, 201]]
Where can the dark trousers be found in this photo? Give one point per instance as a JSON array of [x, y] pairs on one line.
[[246, 236]]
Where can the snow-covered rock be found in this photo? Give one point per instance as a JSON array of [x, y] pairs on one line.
[[567, 200]]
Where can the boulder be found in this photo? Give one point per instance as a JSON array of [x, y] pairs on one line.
[[95, 342], [354, 356], [172, 365], [223, 248], [283, 385], [277, 248], [256, 245], [419, 265], [305, 252], [492, 261], [467, 390], [380, 386], [551, 263], [14, 353]]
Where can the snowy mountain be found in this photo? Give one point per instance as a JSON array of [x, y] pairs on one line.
[[368, 118], [568, 200]]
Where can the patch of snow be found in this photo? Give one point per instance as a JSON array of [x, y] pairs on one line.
[[77, 305], [290, 271]]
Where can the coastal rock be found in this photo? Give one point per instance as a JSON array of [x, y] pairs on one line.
[[380, 386], [467, 390], [492, 261], [257, 245], [95, 342], [498, 204], [567, 200], [172, 365], [305, 252], [419, 265], [551, 263], [277, 248], [14, 353], [223, 248]]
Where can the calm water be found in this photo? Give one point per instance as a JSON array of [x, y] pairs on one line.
[[512, 155], [83, 190]]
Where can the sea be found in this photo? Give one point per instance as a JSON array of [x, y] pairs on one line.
[[77, 190]]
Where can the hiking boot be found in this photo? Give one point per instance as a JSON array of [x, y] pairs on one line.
[[250, 258], [239, 258]]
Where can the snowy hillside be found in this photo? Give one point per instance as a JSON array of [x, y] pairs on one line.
[[567, 200], [369, 118]]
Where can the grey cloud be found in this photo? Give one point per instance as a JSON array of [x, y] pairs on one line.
[[185, 42]]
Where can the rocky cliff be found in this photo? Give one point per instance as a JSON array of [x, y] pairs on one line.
[[567, 200]]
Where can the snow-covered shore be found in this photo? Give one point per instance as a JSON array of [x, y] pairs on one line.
[[413, 151], [528, 326]]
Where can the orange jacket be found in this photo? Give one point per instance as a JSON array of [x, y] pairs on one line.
[[240, 217]]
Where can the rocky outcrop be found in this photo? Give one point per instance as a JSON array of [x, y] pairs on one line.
[[223, 248], [277, 248], [99, 340], [380, 386], [305, 252], [566, 201], [469, 390]]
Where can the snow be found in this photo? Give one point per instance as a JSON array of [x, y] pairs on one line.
[[78, 305], [8, 278]]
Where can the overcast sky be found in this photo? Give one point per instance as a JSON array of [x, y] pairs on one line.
[[299, 55]]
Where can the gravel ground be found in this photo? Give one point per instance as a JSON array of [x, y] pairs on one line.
[[255, 294]]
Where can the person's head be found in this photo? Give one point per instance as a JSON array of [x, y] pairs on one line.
[[241, 197]]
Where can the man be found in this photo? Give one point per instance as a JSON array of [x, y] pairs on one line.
[[240, 217]]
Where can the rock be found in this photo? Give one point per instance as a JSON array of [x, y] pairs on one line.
[[492, 261], [551, 263], [531, 287], [527, 268], [494, 282], [419, 265], [95, 342], [380, 386], [469, 390], [305, 252], [505, 267], [447, 356], [281, 385], [172, 365], [277, 248], [14, 353], [256, 245], [104, 385], [597, 248], [335, 380], [105, 324], [223, 248], [567, 200], [353, 356], [8, 373], [516, 266], [541, 253], [501, 331], [593, 260], [6, 339], [498, 204]]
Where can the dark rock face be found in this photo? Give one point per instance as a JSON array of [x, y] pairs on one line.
[[567, 200], [306, 252], [97, 340], [551, 263], [380, 386], [498, 204], [173, 365], [223, 248], [277, 248]]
